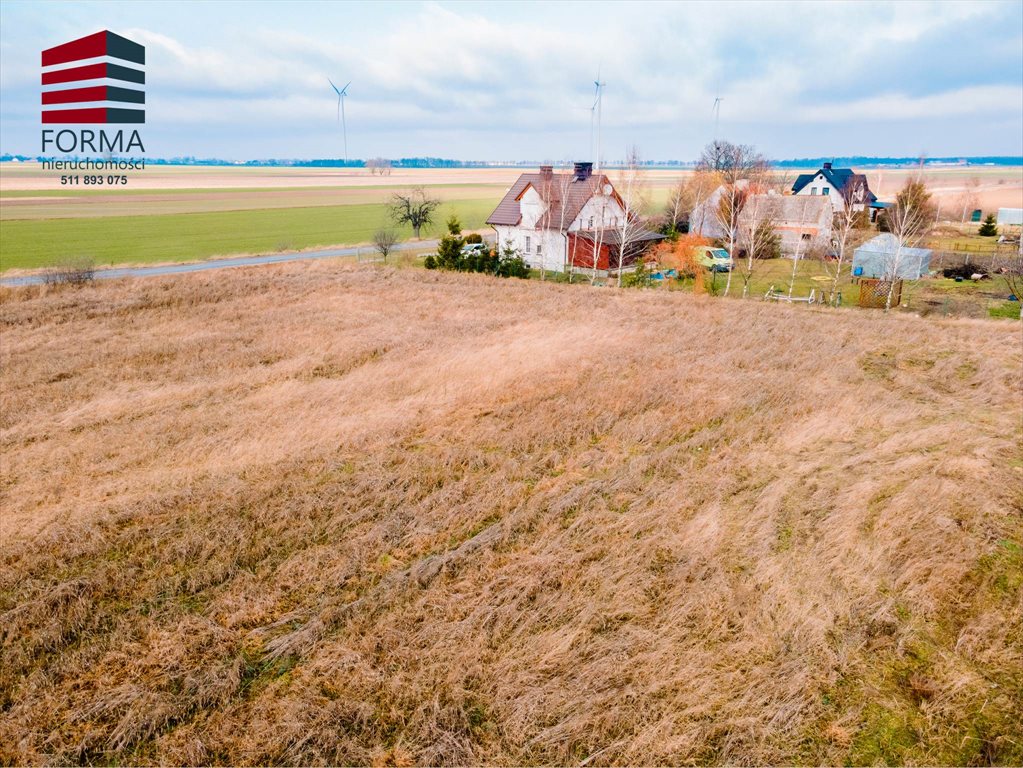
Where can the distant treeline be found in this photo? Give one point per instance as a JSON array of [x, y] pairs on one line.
[[440, 162], [861, 160]]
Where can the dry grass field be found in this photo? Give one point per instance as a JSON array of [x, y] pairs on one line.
[[323, 514]]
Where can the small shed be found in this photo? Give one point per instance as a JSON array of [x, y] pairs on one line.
[[881, 257]]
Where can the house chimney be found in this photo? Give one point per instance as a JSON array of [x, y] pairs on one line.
[[827, 166], [582, 171], [546, 171]]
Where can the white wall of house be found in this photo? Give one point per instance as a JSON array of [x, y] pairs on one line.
[[531, 206], [538, 247], [600, 211], [821, 186]]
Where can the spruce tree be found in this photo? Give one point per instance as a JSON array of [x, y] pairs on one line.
[[990, 227]]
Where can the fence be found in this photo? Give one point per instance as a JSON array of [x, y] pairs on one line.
[[874, 292]]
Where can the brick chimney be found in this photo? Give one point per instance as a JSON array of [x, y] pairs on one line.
[[546, 171], [582, 171], [827, 166]]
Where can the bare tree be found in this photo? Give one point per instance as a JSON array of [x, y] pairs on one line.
[[700, 189], [908, 220], [1012, 273], [598, 233], [414, 208], [632, 193], [379, 166], [847, 232], [757, 239], [968, 200], [384, 241], [727, 211], [563, 189], [741, 169], [800, 243]]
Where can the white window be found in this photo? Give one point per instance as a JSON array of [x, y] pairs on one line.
[[826, 191], [528, 244], [813, 190], [538, 248]]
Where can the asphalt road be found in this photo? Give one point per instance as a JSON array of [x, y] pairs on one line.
[[243, 261]]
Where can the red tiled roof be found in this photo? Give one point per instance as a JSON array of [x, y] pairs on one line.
[[551, 189]]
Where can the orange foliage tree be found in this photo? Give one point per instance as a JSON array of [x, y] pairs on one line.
[[681, 255]]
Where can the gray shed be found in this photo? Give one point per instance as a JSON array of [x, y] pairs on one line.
[[881, 257]]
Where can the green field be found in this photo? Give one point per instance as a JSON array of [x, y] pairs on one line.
[[31, 244]]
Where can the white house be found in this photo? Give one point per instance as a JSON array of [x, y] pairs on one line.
[[839, 185], [565, 220]]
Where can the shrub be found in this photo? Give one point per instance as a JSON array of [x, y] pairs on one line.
[[430, 262], [514, 266], [638, 278], [74, 271], [990, 226], [475, 237]]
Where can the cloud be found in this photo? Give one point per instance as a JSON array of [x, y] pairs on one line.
[[526, 70]]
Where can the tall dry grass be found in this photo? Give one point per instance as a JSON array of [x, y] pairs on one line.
[[315, 514]]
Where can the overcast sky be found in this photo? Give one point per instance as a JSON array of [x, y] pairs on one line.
[[515, 80]]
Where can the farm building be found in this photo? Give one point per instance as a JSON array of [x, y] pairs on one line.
[[703, 220], [881, 257], [801, 223], [569, 220], [841, 186]]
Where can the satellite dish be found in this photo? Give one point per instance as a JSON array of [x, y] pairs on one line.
[[607, 189]]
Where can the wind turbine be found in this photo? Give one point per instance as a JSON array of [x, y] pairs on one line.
[[341, 93], [717, 115], [598, 103]]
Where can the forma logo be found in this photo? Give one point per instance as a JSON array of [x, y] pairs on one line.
[[78, 98], [94, 80]]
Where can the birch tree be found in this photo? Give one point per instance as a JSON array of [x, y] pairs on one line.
[[800, 242], [546, 191], [847, 232], [563, 189], [632, 190], [757, 239], [908, 220]]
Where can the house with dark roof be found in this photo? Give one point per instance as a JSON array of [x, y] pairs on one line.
[[841, 185], [563, 221]]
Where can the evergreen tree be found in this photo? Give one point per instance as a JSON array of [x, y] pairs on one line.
[[990, 226], [449, 252]]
